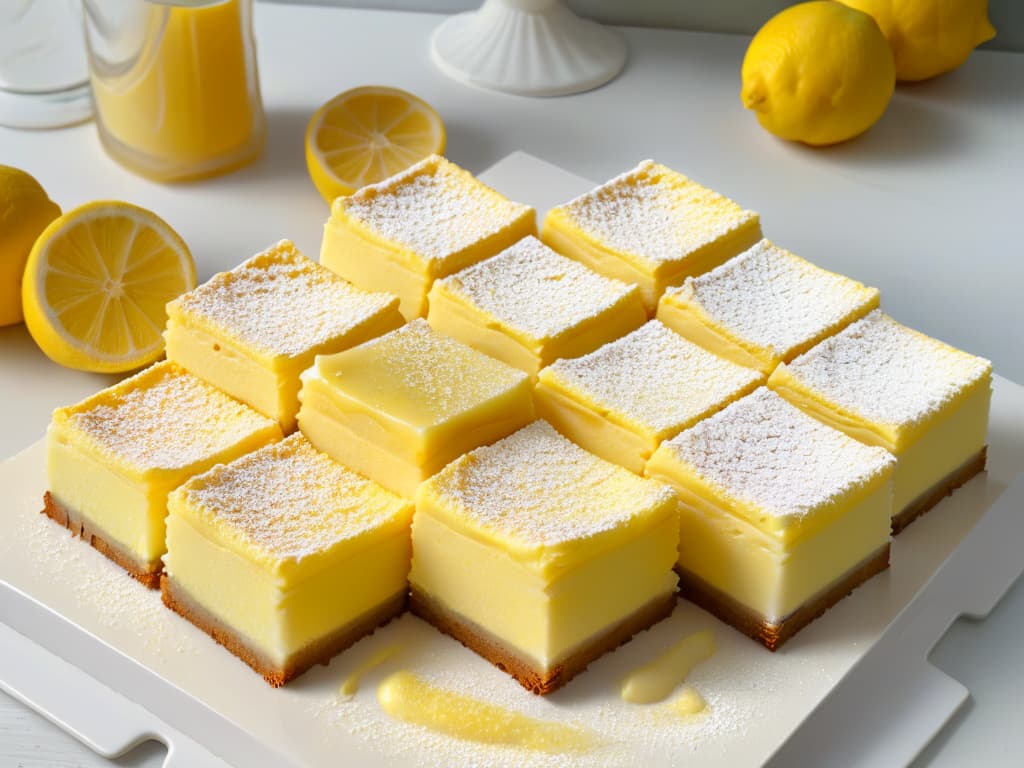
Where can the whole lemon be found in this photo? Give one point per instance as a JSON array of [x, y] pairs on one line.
[[929, 37], [25, 210], [818, 72]]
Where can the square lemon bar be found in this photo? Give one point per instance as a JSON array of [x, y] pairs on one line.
[[781, 515], [885, 384], [528, 306], [253, 330], [400, 407], [764, 307], [651, 226], [285, 557], [622, 400], [540, 556], [428, 221], [113, 458]]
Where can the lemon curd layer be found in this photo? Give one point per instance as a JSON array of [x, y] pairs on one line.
[[400, 407], [623, 399], [429, 221], [528, 306], [776, 507], [885, 384], [541, 545], [764, 307], [284, 546], [253, 330], [651, 226], [113, 458]]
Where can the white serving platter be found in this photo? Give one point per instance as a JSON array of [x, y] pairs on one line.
[[98, 654]]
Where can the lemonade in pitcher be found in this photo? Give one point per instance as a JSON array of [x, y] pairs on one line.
[[175, 85]]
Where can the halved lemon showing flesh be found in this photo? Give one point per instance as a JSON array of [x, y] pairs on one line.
[[97, 283], [367, 134]]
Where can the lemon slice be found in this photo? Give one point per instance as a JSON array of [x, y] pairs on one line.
[[96, 285], [367, 134]]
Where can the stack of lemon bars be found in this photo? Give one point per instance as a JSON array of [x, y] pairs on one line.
[[533, 443]]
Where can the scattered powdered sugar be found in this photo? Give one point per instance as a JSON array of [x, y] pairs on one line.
[[543, 490], [535, 290], [290, 501], [434, 208], [418, 375], [162, 418], [655, 378], [656, 214], [769, 453], [883, 371], [280, 303], [770, 297]]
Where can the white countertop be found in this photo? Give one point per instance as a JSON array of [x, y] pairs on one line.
[[924, 206]]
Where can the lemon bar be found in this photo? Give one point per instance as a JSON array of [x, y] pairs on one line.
[[285, 557], [400, 407], [253, 330], [540, 556], [651, 226], [764, 307], [528, 306], [781, 515], [885, 384], [622, 400], [429, 221], [113, 458]]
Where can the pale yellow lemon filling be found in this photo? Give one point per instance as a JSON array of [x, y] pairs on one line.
[[541, 620], [128, 512], [769, 576], [593, 429], [480, 330], [279, 618], [924, 456], [562, 234], [690, 323]]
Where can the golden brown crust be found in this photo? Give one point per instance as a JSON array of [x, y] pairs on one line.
[[540, 682], [147, 573], [319, 652], [939, 491], [753, 625]]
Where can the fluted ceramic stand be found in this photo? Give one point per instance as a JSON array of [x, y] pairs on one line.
[[527, 47]]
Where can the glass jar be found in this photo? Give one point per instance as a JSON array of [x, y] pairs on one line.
[[175, 85], [44, 79]]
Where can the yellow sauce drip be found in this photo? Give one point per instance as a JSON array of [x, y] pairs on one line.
[[689, 702], [656, 680], [406, 697], [351, 685]]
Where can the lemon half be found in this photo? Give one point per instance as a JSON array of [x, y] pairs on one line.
[[97, 283], [367, 134]]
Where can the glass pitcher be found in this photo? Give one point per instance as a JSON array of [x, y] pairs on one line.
[[175, 85]]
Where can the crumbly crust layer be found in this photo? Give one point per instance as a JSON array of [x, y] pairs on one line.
[[540, 682], [939, 491], [771, 634], [319, 652], [147, 573]]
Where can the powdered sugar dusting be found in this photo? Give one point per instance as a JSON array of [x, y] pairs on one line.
[[885, 372], [280, 303], [162, 419], [290, 501], [434, 208], [656, 214], [771, 298], [655, 379], [540, 489], [535, 290], [769, 453]]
